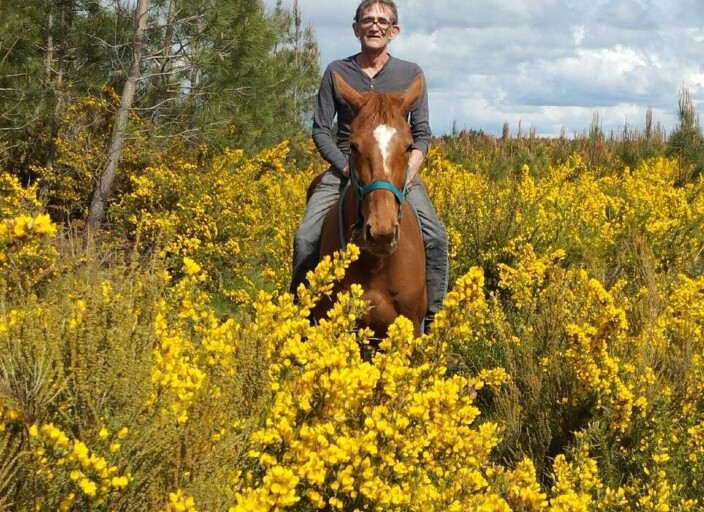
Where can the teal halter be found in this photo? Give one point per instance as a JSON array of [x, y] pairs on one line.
[[363, 191], [379, 184]]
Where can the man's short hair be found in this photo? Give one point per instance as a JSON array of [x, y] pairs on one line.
[[365, 4]]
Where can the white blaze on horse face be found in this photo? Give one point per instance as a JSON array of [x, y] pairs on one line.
[[383, 135]]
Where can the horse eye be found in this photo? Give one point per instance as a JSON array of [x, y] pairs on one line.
[[353, 147]]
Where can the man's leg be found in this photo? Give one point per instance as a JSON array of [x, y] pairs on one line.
[[436, 250], [306, 242]]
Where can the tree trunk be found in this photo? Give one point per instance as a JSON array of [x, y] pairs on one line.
[[162, 98], [104, 186], [296, 50], [54, 81]]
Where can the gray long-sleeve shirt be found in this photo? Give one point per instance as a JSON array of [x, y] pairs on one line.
[[395, 76]]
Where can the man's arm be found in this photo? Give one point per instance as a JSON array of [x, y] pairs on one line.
[[323, 117], [414, 162], [420, 129]]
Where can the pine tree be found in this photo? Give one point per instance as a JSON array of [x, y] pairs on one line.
[[51, 53], [215, 72]]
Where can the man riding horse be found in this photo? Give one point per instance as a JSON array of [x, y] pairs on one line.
[[372, 69]]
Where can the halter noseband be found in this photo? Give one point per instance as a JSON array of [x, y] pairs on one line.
[[379, 184]]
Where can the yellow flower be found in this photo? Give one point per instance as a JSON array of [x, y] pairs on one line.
[[67, 502], [191, 267], [88, 486], [43, 224], [119, 482]]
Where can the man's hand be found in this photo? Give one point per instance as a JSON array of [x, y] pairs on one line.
[[414, 162]]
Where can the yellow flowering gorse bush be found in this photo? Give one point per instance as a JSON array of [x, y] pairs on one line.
[[565, 371], [27, 253]]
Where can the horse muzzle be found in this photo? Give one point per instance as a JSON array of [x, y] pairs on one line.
[[381, 242]]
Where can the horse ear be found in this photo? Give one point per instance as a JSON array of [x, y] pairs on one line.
[[414, 92], [351, 96]]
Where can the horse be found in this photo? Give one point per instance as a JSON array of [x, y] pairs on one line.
[[373, 213]]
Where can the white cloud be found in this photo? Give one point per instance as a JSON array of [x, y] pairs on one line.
[[550, 64]]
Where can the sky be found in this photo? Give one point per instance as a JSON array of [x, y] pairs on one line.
[[550, 66]]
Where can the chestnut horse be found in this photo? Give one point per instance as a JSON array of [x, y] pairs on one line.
[[373, 212]]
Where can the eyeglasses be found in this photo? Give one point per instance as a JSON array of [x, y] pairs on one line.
[[382, 23]]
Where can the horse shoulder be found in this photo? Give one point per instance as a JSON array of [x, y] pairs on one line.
[[330, 231]]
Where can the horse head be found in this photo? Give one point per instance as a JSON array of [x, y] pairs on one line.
[[380, 147]]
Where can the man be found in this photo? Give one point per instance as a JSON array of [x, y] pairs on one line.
[[373, 68]]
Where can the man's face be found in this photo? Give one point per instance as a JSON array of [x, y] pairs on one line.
[[375, 28]]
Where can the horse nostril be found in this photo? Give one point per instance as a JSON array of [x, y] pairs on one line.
[[368, 232]]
